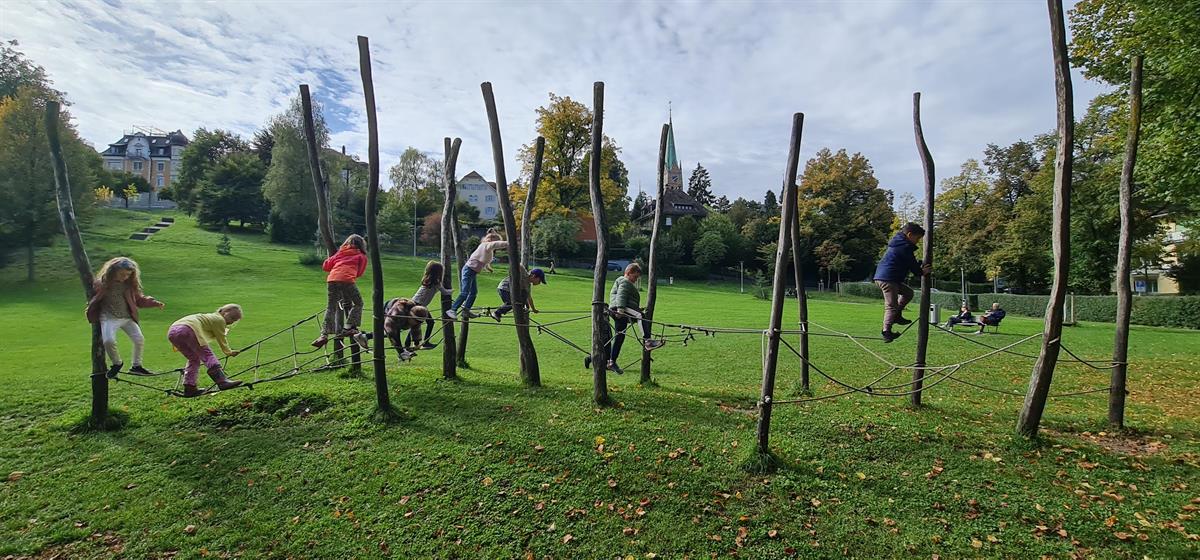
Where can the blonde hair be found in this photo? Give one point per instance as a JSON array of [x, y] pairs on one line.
[[355, 240], [109, 270], [633, 267], [230, 307]]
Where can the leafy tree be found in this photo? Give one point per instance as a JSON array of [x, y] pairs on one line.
[[908, 209], [197, 158], [755, 234], [232, 191], [700, 186], [262, 144], [1023, 257], [555, 236], [414, 172], [642, 206], [566, 125], [1012, 167], [723, 228], [971, 217], [133, 184], [770, 204], [840, 201], [685, 231], [710, 250], [742, 211], [288, 184], [28, 211], [18, 72]]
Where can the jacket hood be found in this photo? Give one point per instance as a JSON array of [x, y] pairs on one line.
[[899, 240]]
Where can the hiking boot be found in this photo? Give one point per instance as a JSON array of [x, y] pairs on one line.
[[889, 336], [902, 321], [587, 362], [114, 370], [613, 367], [140, 370], [190, 391], [652, 344], [320, 341], [228, 384], [495, 315]]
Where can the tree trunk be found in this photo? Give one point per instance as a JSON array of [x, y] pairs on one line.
[[530, 201], [29, 276], [652, 272], [788, 214], [801, 301], [383, 401], [926, 257], [530, 373], [66, 214], [599, 275], [1116, 395], [449, 348], [1043, 369]]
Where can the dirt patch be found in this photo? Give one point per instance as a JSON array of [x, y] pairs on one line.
[[748, 409], [1133, 445], [93, 544], [261, 411]]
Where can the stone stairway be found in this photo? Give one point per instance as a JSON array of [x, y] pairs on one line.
[[148, 231]]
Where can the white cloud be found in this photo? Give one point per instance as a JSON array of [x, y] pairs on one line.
[[735, 72]]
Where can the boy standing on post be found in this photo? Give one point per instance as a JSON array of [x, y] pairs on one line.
[[897, 263]]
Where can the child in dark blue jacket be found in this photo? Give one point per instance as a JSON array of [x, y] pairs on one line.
[[897, 263]]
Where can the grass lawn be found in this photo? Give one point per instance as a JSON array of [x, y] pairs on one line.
[[487, 468]]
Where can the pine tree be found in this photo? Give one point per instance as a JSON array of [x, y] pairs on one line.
[[700, 186], [770, 204]]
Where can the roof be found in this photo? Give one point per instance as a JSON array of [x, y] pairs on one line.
[[474, 175], [672, 158], [160, 142], [677, 202]]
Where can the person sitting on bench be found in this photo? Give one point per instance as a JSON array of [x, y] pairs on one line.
[[991, 318], [964, 316]]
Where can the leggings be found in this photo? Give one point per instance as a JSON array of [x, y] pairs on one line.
[[108, 334]]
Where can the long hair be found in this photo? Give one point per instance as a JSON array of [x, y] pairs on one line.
[[433, 274], [108, 273], [355, 240]]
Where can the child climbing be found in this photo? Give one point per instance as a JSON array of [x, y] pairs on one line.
[[624, 304], [431, 286], [897, 263], [344, 267], [115, 306], [528, 280], [481, 257], [193, 336], [404, 315]]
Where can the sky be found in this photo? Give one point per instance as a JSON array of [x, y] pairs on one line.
[[733, 73]]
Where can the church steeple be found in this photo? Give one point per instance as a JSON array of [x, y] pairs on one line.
[[674, 172]]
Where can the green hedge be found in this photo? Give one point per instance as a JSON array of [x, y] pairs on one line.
[[1155, 311], [972, 287]]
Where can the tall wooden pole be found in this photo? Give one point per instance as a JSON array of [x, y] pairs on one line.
[[652, 272], [1043, 369], [1116, 395], [449, 350], [530, 200], [377, 311], [781, 253], [324, 214], [801, 300], [599, 276], [926, 257], [66, 214], [531, 375]]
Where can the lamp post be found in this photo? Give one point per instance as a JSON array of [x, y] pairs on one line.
[[741, 277]]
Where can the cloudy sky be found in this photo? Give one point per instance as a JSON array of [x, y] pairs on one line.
[[733, 71]]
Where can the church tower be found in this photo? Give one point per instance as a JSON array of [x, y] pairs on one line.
[[674, 171]]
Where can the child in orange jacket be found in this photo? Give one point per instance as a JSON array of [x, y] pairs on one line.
[[344, 267]]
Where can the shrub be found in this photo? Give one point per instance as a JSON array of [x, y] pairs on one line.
[[224, 247], [311, 258]]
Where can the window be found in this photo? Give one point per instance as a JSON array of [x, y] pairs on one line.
[[160, 178], [161, 165], [489, 211], [668, 221], [137, 166], [473, 198], [115, 165], [490, 198]]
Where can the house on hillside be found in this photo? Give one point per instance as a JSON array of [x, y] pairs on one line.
[[148, 152], [677, 203], [480, 193]]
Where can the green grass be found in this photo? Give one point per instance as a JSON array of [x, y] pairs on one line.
[[488, 468]]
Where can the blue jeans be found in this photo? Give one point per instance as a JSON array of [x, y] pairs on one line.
[[467, 289]]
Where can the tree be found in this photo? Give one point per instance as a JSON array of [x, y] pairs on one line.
[[1012, 167], [1105, 35], [840, 201], [731, 241], [414, 172], [555, 236], [770, 204], [700, 186], [685, 232], [971, 217], [641, 206], [200, 155], [566, 125], [262, 144], [742, 211], [288, 183], [28, 212], [908, 209], [128, 185], [710, 250], [232, 191], [722, 204], [18, 72]]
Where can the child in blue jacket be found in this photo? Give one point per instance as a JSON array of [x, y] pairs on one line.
[[897, 263]]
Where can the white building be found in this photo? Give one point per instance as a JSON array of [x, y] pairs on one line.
[[480, 193]]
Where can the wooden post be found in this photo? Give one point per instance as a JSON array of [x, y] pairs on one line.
[[382, 399], [1116, 395], [530, 373], [1043, 369], [449, 349], [926, 257], [781, 251], [324, 216], [66, 214], [651, 266], [801, 300], [530, 200], [599, 275]]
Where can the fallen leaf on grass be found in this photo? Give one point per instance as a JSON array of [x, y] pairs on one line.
[[539, 448], [568, 538], [976, 542], [1110, 521], [861, 475], [772, 533], [1122, 535], [487, 481], [190, 529], [15, 476]]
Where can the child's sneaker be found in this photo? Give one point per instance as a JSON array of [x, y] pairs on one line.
[[114, 370], [452, 314], [470, 314], [190, 391], [495, 314], [587, 362], [902, 321], [652, 344], [140, 370], [407, 356], [362, 340], [889, 336], [428, 346], [613, 367], [320, 341]]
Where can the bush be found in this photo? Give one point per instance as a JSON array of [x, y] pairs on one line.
[[1155, 311], [690, 272], [311, 258], [972, 287]]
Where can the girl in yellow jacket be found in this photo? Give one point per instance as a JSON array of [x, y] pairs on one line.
[[193, 335]]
